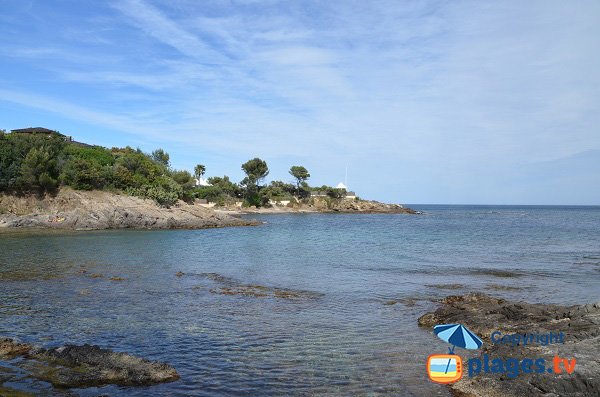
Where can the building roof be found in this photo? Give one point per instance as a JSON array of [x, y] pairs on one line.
[[35, 130]]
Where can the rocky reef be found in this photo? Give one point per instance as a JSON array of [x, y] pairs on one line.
[[73, 366], [484, 315]]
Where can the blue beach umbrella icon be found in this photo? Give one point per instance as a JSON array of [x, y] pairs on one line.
[[457, 335]]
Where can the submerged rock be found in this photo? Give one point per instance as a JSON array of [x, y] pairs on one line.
[[231, 286], [88, 365], [445, 286], [408, 302], [484, 314], [500, 287], [500, 273], [10, 392], [73, 366], [260, 291]]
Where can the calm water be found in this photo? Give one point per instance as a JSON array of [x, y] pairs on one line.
[[342, 340]]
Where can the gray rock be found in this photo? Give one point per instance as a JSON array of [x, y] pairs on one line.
[[73, 366], [484, 314], [88, 365]]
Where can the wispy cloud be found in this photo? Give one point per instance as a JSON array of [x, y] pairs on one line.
[[448, 87], [152, 21]]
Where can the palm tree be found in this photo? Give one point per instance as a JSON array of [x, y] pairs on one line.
[[199, 171]]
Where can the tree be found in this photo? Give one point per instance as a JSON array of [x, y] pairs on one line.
[[183, 177], [301, 174], [83, 174], [256, 170], [199, 171], [161, 157], [38, 171], [187, 182], [337, 193], [224, 183], [10, 162]]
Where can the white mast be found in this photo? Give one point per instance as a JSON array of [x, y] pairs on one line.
[[346, 177]]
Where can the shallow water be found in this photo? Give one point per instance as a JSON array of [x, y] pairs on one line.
[[339, 336]]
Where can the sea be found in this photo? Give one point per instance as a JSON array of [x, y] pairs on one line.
[[342, 295]]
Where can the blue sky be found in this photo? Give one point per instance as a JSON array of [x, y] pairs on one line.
[[423, 101]]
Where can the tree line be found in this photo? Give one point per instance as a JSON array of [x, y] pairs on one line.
[[40, 164]]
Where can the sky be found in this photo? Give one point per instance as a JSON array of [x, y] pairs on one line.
[[458, 102]]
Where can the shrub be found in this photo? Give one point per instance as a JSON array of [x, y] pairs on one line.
[[84, 174], [336, 193], [157, 193], [97, 154], [24, 158], [38, 171]]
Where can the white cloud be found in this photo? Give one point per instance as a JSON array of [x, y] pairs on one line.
[[457, 85]]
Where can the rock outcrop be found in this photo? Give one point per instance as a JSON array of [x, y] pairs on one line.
[[74, 366], [326, 205], [484, 314], [362, 206], [94, 210], [10, 349]]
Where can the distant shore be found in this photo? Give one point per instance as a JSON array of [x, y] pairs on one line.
[[323, 205], [98, 210]]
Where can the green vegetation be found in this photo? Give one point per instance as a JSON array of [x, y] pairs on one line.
[[301, 175], [199, 171], [42, 163], [256, 171], [38, 163]]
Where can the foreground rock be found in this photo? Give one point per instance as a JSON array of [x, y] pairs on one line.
[[82, 210], [73, 366], [10, 349], [484, 314]]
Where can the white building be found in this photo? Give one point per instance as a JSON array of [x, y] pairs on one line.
[[202, 182]]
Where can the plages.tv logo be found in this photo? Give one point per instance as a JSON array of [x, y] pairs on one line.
[[448, 368]]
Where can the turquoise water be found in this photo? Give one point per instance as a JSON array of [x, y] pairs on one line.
[[339, 337]]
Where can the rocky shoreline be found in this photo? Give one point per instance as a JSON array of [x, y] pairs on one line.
[[98, 210], [325, 205], [484, 315]]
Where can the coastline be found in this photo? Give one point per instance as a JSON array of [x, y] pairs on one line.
[[100, 210], [323, 205]]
